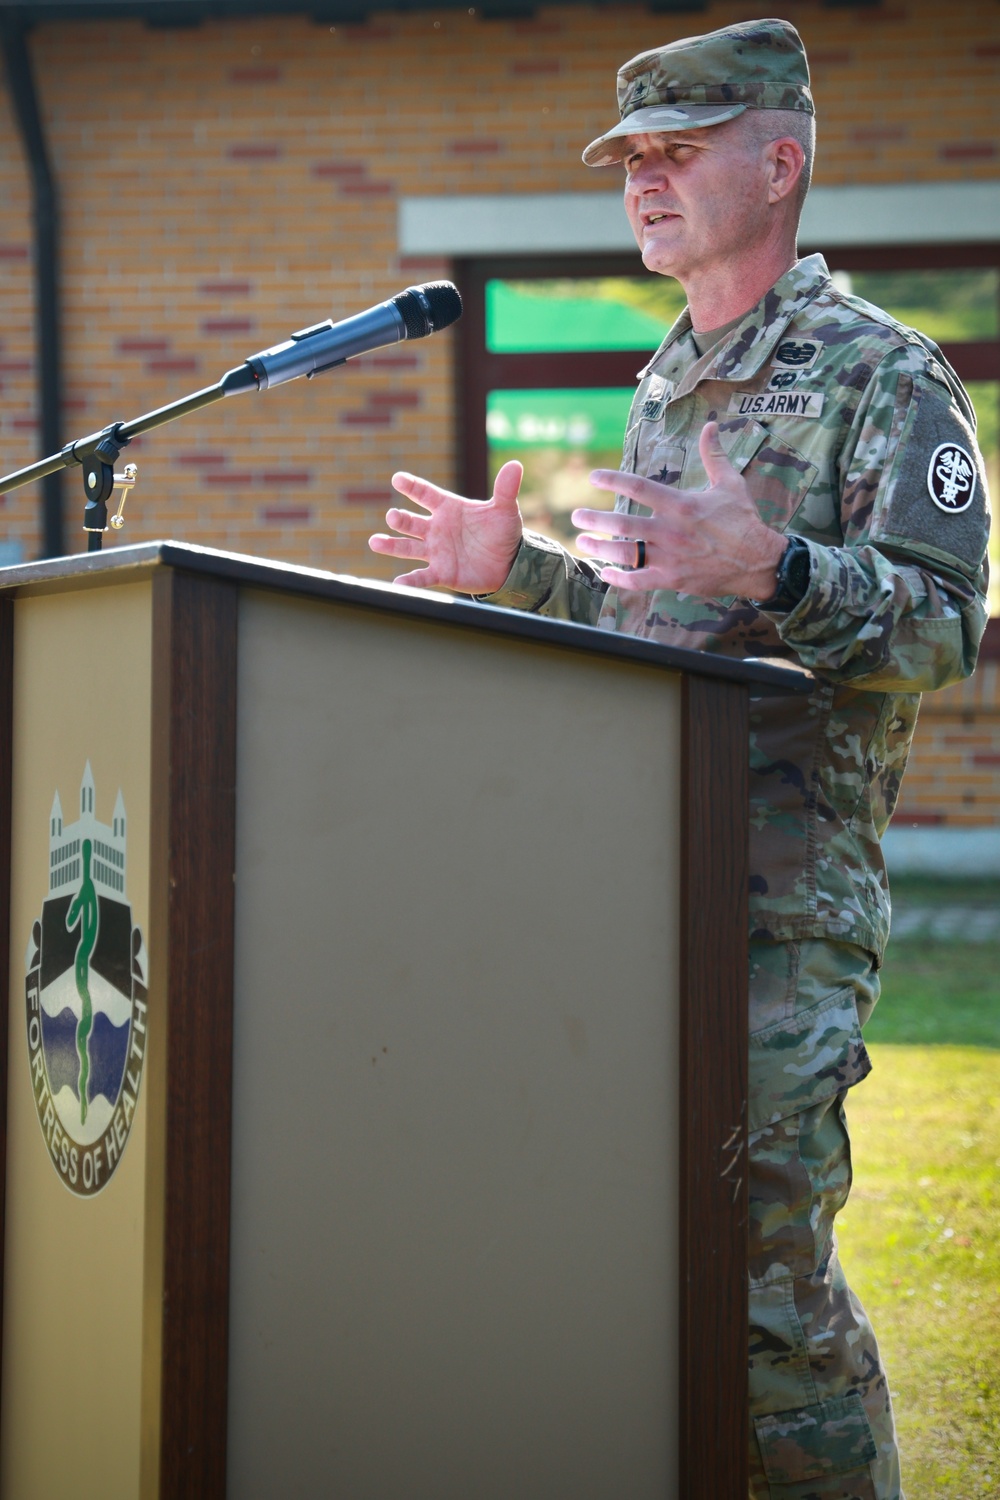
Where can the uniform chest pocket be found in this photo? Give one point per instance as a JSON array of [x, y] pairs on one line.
[[778, 475]]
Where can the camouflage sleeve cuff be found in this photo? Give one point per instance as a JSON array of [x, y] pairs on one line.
[[524, 587], [789, 600], [883, 622], [841, 592], [546, 579], [849, 588]]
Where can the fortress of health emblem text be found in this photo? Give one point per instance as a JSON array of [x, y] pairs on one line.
[[85, 997]]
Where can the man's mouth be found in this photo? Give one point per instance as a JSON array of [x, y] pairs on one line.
[[652, 219]]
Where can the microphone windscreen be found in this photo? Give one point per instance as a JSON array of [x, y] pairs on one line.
[[429, 308], [446, 304]]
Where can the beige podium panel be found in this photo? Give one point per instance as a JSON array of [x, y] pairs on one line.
[[75, 1257], [455, 1120], [375, 1043]]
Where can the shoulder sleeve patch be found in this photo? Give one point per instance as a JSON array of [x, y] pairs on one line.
[[934, 492], [951, 478]]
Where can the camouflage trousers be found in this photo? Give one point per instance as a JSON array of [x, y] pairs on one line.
[[821, 1425]]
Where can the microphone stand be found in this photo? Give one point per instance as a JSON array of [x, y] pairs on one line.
[[99, 452]]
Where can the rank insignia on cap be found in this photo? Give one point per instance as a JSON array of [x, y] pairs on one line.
[[796, 354], [951, 478]]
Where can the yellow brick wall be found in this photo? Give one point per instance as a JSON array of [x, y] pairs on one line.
[[953, 777], [239, 180]]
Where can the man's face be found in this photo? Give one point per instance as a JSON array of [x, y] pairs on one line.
[[695, 199]]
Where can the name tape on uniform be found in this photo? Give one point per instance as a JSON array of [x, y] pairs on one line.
[[776, 404], [657, 396]]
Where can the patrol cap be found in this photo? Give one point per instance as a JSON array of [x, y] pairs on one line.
[[703, 80]]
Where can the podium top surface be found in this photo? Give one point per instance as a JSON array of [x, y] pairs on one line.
[[124, 564]]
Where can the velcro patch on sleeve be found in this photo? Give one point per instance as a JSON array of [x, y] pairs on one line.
[[776, 404], [934, 491]]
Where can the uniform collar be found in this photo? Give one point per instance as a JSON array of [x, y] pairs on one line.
[[751, 342]]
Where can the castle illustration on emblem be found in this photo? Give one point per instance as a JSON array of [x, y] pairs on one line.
[[85, 997]]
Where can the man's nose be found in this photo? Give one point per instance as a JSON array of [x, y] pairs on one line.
[[650, 177]]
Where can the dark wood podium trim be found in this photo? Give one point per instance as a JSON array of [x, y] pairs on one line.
[[192, 915], [91, 569], [714, 1022], [6, 782]]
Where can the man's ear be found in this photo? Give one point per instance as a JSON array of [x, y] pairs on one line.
[[786, 160]]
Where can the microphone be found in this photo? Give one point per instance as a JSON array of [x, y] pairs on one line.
[[412, 314]]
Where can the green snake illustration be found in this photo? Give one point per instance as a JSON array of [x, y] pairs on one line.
[[84, 910]]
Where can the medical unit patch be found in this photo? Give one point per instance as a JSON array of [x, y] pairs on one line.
[[951, 478]]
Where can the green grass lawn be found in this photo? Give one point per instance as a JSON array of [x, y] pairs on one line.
[[920, 1238]]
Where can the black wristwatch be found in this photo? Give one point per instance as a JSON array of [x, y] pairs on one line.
[[793, 577]]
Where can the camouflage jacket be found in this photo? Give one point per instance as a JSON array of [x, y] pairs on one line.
[[855, 434]]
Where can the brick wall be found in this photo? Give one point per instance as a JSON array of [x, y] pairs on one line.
[[953, 777], [239, 180]]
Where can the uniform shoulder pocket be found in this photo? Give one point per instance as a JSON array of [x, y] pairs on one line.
[[779, 476], [741, 440]]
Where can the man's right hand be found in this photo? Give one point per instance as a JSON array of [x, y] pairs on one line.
[[468, 545]]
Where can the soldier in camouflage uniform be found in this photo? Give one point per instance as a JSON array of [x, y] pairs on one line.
[[801, 481]]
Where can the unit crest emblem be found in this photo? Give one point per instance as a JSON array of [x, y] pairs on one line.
[[85, 998]]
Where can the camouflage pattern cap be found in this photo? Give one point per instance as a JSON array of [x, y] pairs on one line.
[[703, 80]]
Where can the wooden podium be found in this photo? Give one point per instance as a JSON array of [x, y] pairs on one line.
[[375, 1043]]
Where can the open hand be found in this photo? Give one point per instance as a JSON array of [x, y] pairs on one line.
[[710, 542], [467, 545]]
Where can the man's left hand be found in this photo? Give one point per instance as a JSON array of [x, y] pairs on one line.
[[710, 542]]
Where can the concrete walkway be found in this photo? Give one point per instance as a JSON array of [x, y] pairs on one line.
[[955, 924]]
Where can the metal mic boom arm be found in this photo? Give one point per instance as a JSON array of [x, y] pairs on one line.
[[412, 314], [99, 451]]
